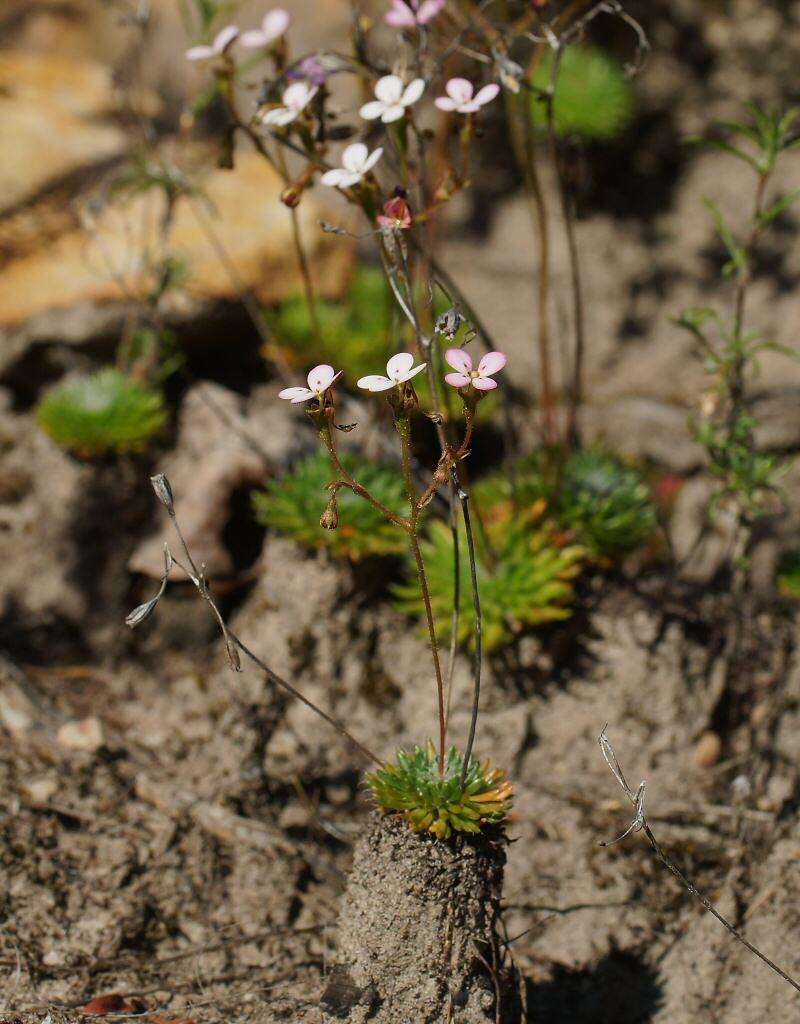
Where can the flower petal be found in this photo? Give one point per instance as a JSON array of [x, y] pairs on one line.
[[224, 38], [484, 384], [459, 89], [401, 17], [199, 53], [372, 110], [296, 394], [458, 359], [372, 159], [253, 40], [355, 157], [279, 116], [445, 103], [389, 89], [399, 365], [375, 382], [412, 92], [335, 178], [414, 372], [321, 377], [487, 94], [393, 113], [275, 23], [458, 380], [297, 95], [429, 9], [491, 363]]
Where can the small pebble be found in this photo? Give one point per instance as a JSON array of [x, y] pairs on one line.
[[707, 750], [85, 734], [39, 791]]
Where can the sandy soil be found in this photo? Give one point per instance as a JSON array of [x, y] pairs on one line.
[[181, 836]]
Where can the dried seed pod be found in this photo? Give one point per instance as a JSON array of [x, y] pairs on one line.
[[163, 492]]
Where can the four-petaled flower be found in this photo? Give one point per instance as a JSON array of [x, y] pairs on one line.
[[412, 13], [356, 162], [460, 96], [400, 368], [319, 380], [393, 98], [481, 379], [223, 41], [396, 215], [273, 25], [296, 98]]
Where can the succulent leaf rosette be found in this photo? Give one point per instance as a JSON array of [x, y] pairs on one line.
[[440, 804], [107, 411]]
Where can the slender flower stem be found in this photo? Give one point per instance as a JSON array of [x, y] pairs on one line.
[[354, 485], [426, 599], [476, 602]]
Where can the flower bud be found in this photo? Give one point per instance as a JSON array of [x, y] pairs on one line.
[[329, 520]]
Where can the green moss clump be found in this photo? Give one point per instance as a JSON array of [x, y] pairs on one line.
[[439, 804], [593, 97], [294, 504], [105, 412], [605, 502], [525, 570]]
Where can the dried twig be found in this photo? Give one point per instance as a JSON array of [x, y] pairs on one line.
[[639, 824], [233, 644]]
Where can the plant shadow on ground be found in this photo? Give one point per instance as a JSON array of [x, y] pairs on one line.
[[619, 989]]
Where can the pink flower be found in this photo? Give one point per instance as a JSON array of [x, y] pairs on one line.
[[396, 215], [392, 98], [460, 97], [319, 380], [481, 379], [412, 13], [223, 41], [273, 25], [296, 98], [400, 368], [356, 162]]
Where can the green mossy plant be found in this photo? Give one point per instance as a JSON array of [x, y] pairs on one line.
[[525, 571], [105, 412], [439, 804], [294, 505], [605, 502], [593, 97]]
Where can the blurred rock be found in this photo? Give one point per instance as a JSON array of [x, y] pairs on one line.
[[85, 735], [707, 750], [222, 446], [56, 110], [82, 282]]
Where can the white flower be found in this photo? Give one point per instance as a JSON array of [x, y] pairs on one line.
[[223, 41], [296, 98], [393, 98], [399, 369], [319, 380], [356, 162], [460, 96], [273, 25]]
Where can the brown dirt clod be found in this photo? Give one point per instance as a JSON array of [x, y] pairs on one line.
[[418, 931]]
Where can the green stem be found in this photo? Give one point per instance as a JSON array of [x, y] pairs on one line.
[[426, 599]]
